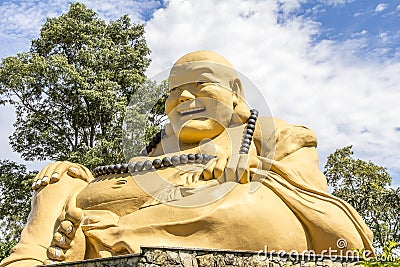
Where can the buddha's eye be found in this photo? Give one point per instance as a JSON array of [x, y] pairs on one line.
[[173, 89]]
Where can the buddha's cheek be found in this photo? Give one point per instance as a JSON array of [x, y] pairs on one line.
[[170, 106]]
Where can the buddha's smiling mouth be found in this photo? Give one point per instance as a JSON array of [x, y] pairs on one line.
[[191, 111]]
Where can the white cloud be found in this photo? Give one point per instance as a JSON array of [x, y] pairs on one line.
[[20, 21], [336, 2], [344, 99], [357, 14], [380, 7], [24, 18], [360, 34], [384, 37], [113, 9]]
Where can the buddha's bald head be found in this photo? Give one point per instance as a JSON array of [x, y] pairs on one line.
[[204, 66], [203, 56]]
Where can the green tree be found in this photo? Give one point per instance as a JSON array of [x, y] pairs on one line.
[[146, 111], [366, 186], [70, 92], [71, 89], [15, 197]]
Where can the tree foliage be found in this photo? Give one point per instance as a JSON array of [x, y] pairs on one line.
[[15, 197], [145, 116], [366, 187], [71, 89]]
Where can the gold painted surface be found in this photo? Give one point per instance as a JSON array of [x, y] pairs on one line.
[[276, 196]]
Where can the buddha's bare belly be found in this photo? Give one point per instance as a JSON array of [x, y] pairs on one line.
[[226, 223], [215, 222], [120, 195], [123, 193]]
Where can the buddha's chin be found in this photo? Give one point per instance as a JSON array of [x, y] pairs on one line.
[[196, 130]]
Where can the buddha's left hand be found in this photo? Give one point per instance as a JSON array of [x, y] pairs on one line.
[[235, 168], [238, 168]]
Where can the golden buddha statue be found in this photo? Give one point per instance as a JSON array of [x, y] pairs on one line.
[[219, 177]]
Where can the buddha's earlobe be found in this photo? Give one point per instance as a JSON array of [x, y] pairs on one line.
[[235, 99], [236, 87]]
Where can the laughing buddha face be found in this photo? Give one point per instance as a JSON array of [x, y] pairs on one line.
[[203, 92], [199, 110]]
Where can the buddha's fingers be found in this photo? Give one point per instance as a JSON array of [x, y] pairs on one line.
[[54, 171], [60, 240], [81, 172], [68, 242], [74, 215], [56, 253], [67, 228], [220, 167], [57, 169], [51, 173], [44, 176], [208, 170], [237, 169], [230, 170], [242, 169]]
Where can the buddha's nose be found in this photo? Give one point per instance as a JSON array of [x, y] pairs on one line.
[[185, 96]]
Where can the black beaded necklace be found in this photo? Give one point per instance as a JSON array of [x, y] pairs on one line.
[[176, 159]]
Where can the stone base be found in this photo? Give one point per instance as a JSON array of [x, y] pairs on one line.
[[190, 257]]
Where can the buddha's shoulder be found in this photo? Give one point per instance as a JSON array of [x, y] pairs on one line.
[[286, 137], [283, 129]]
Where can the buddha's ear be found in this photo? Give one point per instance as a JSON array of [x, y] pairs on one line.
[[236, 86], [239, 104]]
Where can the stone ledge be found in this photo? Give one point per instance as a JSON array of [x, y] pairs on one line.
[[192, 257]]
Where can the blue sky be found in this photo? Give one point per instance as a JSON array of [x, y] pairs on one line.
[[376, 21], [332, 65]]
